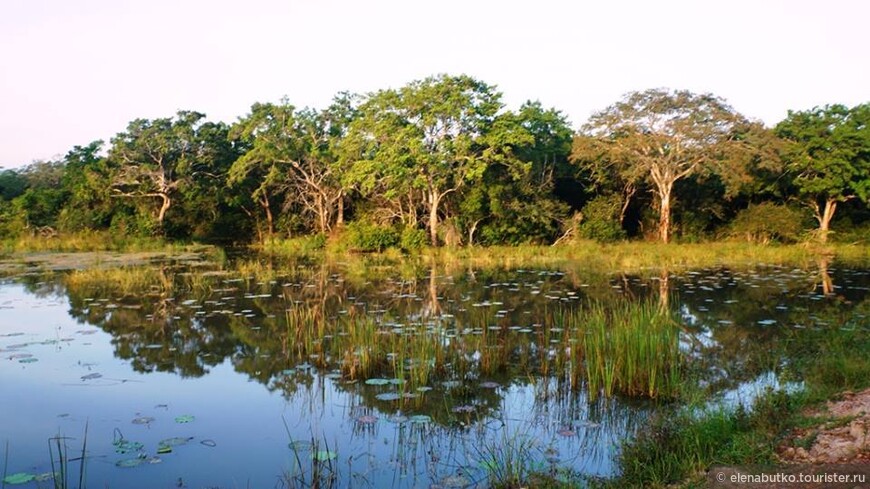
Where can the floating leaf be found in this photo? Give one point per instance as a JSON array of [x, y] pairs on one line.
[[184, 418], [324, 455], [300, 445], [174, 442], [130, 462], [91, 376], [377, 381], [143, 420], [126, 446], [47, 476], [28, 360], [19, 478], [420, 419], [208, 443], [388, 396]]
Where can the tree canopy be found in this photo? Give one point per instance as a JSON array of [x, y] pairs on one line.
[[443, 160]]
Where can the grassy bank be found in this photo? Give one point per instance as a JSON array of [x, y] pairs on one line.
[[679, 445], [87, 241], [624, 256]]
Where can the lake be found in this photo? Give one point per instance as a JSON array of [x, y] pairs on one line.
[[383, 374]]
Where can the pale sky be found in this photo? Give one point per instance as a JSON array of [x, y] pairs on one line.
[[72, 71]]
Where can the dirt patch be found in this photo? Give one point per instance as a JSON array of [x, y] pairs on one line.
[[842, 439]]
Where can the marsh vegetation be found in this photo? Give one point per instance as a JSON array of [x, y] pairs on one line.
[[396, 372]]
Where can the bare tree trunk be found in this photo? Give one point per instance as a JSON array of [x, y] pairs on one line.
[[434, 199], [339, 218], [270, 224], [665, 212], [627, 194], [163, 208], [825, 219], [471, 232]]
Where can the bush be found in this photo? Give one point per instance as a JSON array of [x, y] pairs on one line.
[[413, 239], [601, 219], [766, 222], [363, 236]]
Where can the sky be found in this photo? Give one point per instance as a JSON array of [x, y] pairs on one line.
[[73, 71]]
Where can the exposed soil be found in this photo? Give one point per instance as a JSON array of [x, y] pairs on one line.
[[842, 439]]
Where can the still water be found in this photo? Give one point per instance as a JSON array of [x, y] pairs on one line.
[[213, 376]]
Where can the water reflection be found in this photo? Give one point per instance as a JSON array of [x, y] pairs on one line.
[[493, 361]]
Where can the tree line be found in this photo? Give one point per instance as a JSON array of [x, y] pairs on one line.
[[442, 161]]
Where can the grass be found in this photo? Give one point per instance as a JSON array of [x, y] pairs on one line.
[[316, 470], [123, 280], [636, 255], [628, 256], [681, 443], [88, 241]]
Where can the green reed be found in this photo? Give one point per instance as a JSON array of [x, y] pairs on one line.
[[630, 348]]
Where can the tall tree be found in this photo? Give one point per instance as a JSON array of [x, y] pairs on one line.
[[660, 137], [153, 158], [830, 159], [424, 142], [291, 159]]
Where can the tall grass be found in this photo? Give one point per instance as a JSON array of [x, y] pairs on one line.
[[122, 280], [88, 241], [59, 458], [631, 348]]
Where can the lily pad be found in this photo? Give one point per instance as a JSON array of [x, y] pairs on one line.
[[143, 420], [324, 455], [299, 445], [130, 462], [174, 442], [377, 381], [28, 360], [163, 449], [123, 446], [388, 396], [47, 476], [19, 478], [185, 418]]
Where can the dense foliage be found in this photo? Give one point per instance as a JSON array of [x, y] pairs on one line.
[[443, 161]]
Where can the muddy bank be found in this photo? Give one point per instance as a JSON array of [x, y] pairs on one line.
[[843, 438]]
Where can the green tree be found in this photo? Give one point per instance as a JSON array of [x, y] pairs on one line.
[[660, 137], [514, 202], [87, 179], [12, 184], [419, 144], [154, 158], [291, 159], [830, 157]]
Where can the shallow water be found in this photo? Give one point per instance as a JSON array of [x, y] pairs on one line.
[[214, 372]]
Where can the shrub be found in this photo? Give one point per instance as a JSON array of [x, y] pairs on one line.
[[766, 222], [363, 236], [601, 219], [413, 239]]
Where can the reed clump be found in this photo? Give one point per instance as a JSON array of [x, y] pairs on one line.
[[628, 348]]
